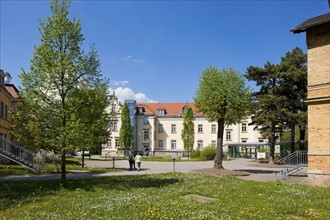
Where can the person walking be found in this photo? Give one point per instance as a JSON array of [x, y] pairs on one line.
[[131, 161], [138, 159]]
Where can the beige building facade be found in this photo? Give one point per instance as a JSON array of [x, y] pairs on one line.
[[318, 98], [157, 129]]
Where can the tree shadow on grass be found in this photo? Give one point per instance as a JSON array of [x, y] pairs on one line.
[[17, 192]]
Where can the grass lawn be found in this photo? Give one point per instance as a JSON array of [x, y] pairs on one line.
[[160, 197]]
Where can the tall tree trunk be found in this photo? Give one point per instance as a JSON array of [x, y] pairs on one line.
[[302, 132], [292, 137], [272, 144], [218, 156], [63, 172]]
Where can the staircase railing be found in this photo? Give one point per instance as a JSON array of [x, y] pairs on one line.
[[297, 157], [17, 153]]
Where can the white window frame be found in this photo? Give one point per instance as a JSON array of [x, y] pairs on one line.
[[228, 135], [173, 128], [173, 144], [200, 144], [214, 144], [160, 144], [200, 128], [160, 128], [145, 134], [213, 129], [244, 127]]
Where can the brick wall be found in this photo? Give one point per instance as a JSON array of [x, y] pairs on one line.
[[318, 44]]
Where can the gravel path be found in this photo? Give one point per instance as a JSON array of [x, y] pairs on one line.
[[258, 172]]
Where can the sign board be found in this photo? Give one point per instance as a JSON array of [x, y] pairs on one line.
[[261, 155], [174, 156]]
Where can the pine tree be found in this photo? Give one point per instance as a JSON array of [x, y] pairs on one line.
[[188, 132], [125, 133]]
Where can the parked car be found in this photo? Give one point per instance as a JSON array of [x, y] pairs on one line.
[[86, 153]]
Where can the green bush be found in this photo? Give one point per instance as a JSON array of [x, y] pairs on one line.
[[195, 153], [208, 153]]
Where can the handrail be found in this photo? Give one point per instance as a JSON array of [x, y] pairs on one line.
[[17, 153], [297, 157]]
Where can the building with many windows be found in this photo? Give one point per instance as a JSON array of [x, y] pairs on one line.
[[157, 127]]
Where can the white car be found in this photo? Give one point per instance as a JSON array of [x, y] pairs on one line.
[[86, 153]]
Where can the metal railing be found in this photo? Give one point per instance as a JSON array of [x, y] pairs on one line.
[[17, 153], [297, 157]]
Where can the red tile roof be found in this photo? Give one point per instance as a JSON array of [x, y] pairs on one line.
[[13, 91], [171, 109]]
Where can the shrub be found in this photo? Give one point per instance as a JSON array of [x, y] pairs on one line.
[[195, 153], [208, 153]]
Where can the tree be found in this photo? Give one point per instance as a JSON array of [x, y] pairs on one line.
[[223, 98], [54, 90], [188, 132], [125, 133], [268, 103], [293, 85]]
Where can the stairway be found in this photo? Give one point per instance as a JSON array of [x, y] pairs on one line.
[[17, 153], [298, 158]]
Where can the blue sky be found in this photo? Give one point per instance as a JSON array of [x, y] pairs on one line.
[[157, 50]]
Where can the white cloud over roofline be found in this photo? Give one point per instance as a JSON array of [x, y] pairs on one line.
[[125, 93]]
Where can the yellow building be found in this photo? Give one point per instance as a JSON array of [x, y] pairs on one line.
[[6, 105], [318, 98]]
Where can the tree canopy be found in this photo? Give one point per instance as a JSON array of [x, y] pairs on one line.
[[64, 93], [223, 98]]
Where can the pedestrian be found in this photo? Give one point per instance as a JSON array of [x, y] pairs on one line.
[[131, 160], [138, 159]]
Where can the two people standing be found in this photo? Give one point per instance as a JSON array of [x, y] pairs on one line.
[[132, 158]]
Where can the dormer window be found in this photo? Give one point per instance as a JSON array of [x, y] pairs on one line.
[[160, 112], [140, 110]]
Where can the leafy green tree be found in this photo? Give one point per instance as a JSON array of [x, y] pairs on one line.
[[223, 98], [188, 131], [55, 87], [92, 120], [268, 103], [293, 85], [125, 133]]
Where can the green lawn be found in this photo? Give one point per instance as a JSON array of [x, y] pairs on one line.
[[160, 197]]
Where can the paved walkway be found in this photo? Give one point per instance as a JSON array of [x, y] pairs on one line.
[[258, 172]]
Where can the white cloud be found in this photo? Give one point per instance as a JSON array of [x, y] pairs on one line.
[[130, 58], [127, 57], [125, 93], [119, 82]]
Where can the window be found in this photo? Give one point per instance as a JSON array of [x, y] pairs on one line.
[[214, 129], [228, 135], [145, 135], [213, 144], [200, 144], [160, 143], [173, 128], [116, 143], [173, 144], [261, 141], [160, 112], [113, 126], [6, 112], [160, 128], [109, 142], [244, 127], [145, 120], [113, 108], [244, 140], [200, 129], [140, 110], [2, 110]]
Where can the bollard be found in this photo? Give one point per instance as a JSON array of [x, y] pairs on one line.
[[113, 163]]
